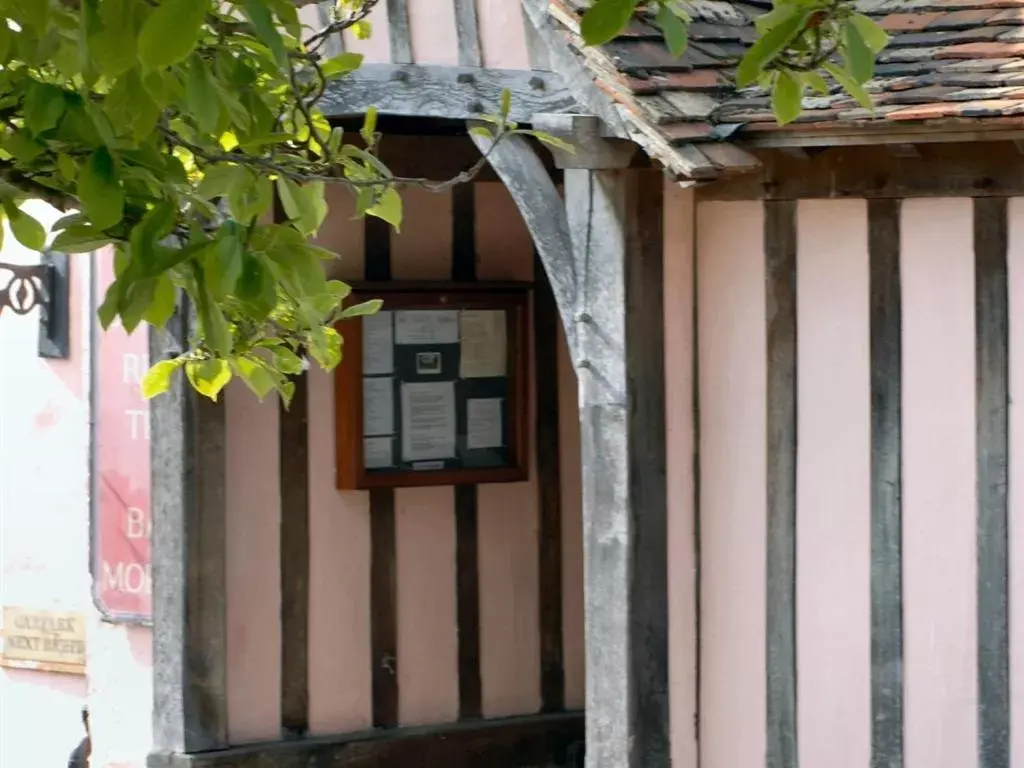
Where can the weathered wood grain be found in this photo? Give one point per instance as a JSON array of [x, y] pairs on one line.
[[886, 486], [549, 493], [294, 526], [383, 575], [992, 413], [454, 93], [399, 36], [780, 277], [645, 361], [467, 566], [189, 582], [468, 33], [548, 741]]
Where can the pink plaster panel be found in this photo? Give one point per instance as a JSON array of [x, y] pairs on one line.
[[253, 567], [428, 645], [432, 32], [423, 249], [833, 485], [1015, 264], [732, 370], [573, 646], [428, 649], [376, 49], [340, 696], [679, 425], [507, 512], [342, 233], [502, 34], [939, 499]]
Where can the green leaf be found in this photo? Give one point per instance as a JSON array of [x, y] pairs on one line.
[[362, 29], [506, 103], [388, 207], [771, 44], [108, 308], [115, 48], [369, 128], [325, 347], [304, 206], [287, 361], [341, 64], [370, 307], [860, 61], [136, 302], [44, 107], [161, 308], [99, 190], [605, 19], [154, 226], [786, 97], [215, 329], [256, 287], [171, 32], [552, 141], [158, 378], [850, 85], [817, 82], [263, 21], [81, 239], [208, 377], [873, 35], [26, 230], [224, 261], [202, 97], [255, 376], [674, 30]]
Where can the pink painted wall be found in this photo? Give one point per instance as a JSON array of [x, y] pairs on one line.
[[500, 25], [939, 501], [339, 632], [833, 536]]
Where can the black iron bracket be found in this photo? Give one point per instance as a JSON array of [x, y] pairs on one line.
[[46, 285]]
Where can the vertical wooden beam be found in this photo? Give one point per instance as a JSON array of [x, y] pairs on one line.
[[992, 412], [294, 473], [467, 568], [468, 33], [399, 37], [549, 492], [614, 218], [188, 505], [886, 486], [780, 277], [335, 44], [645, 361], [383, 576]]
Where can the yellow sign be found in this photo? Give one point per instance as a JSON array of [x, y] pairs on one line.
[[51, 641]]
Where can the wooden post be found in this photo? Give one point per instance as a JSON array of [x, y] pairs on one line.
[[188, 503], [615, 222], [603, 256]]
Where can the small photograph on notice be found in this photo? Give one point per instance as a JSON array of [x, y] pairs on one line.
[[428, 363]]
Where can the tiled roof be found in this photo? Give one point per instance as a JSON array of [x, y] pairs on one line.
[[949, 61]]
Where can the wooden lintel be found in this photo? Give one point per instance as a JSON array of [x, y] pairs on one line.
[[454, 93], [894, 134], [541, 740], [904, 150], [971, 169]]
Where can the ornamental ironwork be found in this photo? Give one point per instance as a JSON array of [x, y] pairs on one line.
[[23, 287]]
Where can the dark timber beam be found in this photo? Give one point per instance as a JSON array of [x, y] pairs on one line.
[[188, 503], [454, 93]]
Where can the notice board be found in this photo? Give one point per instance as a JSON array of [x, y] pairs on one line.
[[432, 389]]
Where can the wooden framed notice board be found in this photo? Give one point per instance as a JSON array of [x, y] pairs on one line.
[[432, 389]]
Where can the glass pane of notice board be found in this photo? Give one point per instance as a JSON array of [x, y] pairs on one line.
[[431, 389]]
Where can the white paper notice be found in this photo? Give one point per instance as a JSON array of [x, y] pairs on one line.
[[483, 423], [377, 453], [378, 344], [378, 406], [427, 326], [483, 343], [428, 421]]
